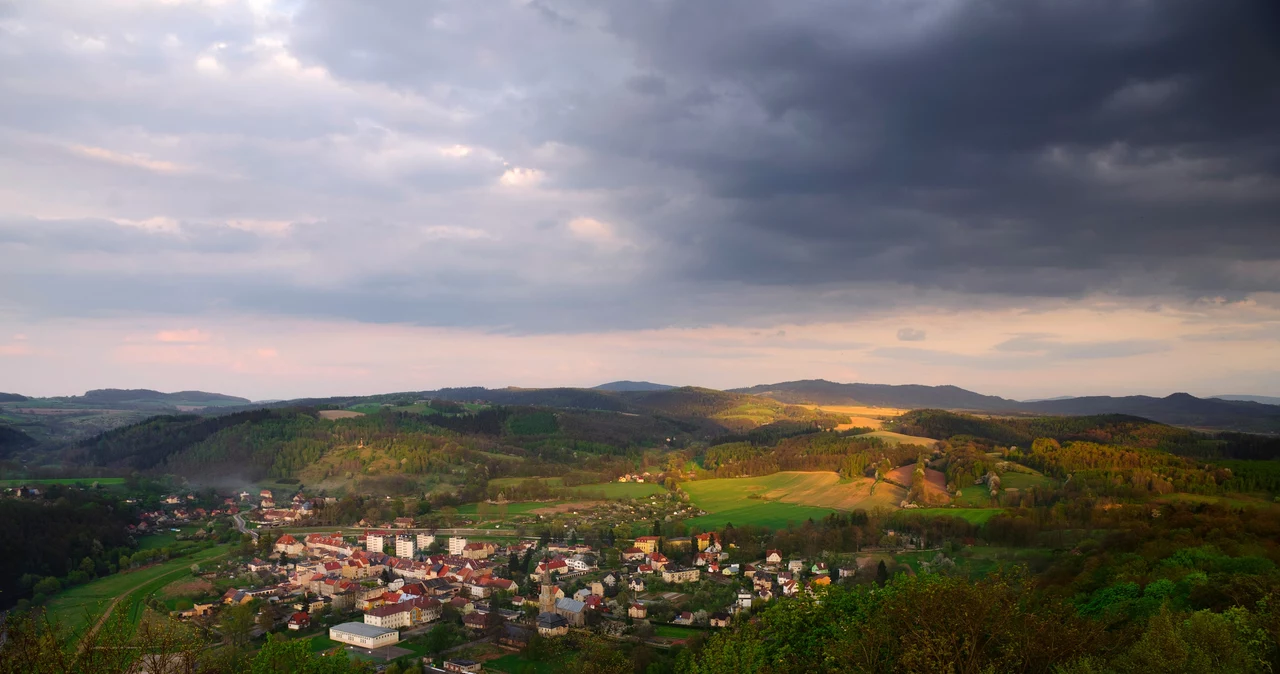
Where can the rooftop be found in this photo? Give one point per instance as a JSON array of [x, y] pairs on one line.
[[363, 630]]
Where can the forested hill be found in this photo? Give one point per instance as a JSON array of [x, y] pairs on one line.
[[1179, 408], [13, 440], [142, 397], [907, 396], [626, 385], [1106, 428]]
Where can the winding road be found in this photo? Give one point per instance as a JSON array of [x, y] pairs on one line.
[[240, 525]]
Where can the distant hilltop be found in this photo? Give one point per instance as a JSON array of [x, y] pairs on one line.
[[627, 385], [113, 396]]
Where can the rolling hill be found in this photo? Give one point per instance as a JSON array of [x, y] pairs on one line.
[[626, 385], [1179, 408]]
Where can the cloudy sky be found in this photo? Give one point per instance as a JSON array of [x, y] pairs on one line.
[[277, 198]]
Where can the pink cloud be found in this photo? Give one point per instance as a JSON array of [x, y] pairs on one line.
[[192, 336]]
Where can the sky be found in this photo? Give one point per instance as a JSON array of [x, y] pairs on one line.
[[283, 198]]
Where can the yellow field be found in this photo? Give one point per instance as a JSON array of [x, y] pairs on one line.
[[861, 416], [340, 414], [899, 439]]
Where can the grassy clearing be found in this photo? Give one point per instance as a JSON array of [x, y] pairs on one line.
[[70, 608], [974, 515], [1012, 480], [519, 508], [1236, 500], [675, 631], [769, 515], [899, 439], [515, 663], [620, 490], [85, 481]]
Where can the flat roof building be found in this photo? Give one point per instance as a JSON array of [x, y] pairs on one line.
[[364, 635]]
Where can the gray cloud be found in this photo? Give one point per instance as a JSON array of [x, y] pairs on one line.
[[911, 335], [762, 159]]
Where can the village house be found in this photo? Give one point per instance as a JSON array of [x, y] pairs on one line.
[[773, 557], [637, 611], [684, 618], [795, 565], [708, 542], [289, 545], [391, 616], [463, 666], [658, 561], [635, 584], [299, 621], [403, 523], [720, 619], [633, 554], [514, 636]]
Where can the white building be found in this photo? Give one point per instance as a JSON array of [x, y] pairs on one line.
[[390, 616], [456, 544], [405, 546], [364, 635], [374, 541], [425, 541]]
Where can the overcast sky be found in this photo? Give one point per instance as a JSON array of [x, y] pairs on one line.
[[287, 198]]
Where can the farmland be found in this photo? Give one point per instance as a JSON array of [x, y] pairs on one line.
[[973, 515], [860, 416], [72, 607], [607, 490], [773, 500]]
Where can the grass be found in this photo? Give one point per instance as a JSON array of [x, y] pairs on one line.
[[675, 631], [620, 490], [519, 508], [785, 497], [516, 663], [769, 515], [72, 607], [973, 515], [1012, 480], [86, 481]]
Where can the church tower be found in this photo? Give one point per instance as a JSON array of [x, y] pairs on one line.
[[547, 597]]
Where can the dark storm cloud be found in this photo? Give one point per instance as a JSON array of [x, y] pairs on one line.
[[743, 161]]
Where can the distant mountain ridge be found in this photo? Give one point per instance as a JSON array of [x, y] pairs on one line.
[[1179, 408], [1265, 400], [628, 385], [108, 396]]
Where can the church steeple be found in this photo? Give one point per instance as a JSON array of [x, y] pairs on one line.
[[547, 597]]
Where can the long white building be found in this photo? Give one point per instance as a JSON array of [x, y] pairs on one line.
[[364, 635]]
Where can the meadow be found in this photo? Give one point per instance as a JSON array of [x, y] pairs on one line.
[[72, 607], [973, 515], [609, 490]]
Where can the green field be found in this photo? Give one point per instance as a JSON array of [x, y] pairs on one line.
[[70, 608], [610, 490], [974, 515], [676, 631], [620, 490], [791, 496], [86, 481], [518, 508], [1012, 480], [518, 664]]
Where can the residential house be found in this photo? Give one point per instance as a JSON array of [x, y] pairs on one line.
[[637, 611], [406, 546], [658, 561], [299, 621], [635, 584], [708, 542], [685, 618], [795, 565], [773, 557], [720, 619], [514, 636], [633, 554], [456, 545], [289, 545], [403, 523]]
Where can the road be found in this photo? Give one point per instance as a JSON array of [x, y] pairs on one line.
[[244, 529]]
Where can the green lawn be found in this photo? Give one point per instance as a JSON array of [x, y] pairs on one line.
[[1012, 480], [86, 481], [518, 508], [675, 631], [518, 664], [773, 515], [71, 607], [974, 515], [620, 490]]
